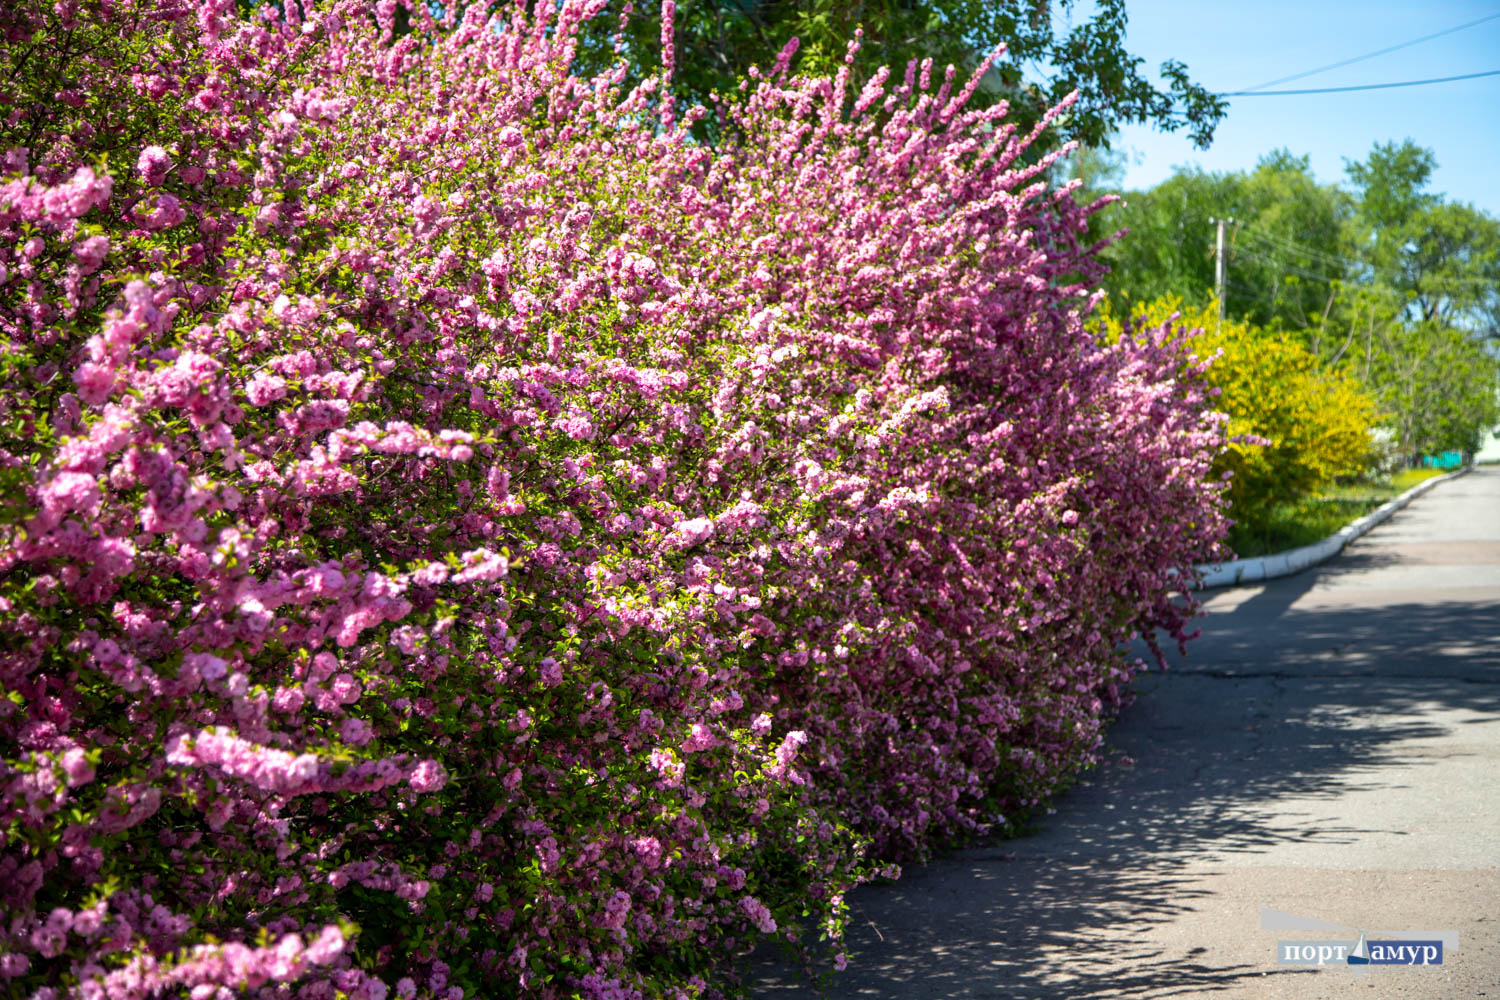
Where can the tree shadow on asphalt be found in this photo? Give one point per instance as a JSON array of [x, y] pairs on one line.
[[1457, 640], [1026, 929], [1453, 641], [1274, 704]]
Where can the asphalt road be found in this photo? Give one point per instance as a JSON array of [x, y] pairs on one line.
[[1329, 749]]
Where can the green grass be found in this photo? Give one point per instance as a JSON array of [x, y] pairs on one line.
[[1373, 490], [1311, 519], [1408, 478]]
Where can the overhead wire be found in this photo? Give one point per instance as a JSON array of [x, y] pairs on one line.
[[1285, 267], [1351, 269], [1325, 279], [1362, 86], [1244, 291], [1384, 291], [1332, 260], [1317, 256], [1368, 55]]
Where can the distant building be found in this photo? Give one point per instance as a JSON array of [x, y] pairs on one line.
[[1490, 450]]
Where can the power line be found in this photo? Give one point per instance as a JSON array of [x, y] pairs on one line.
[[1354, 266], [1287, 268], [1240, 290], [1363, 86], [1367, 55], [1317, 256], [1393, 293], [1342, 264]]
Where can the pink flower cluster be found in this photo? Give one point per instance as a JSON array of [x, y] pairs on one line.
[[464, 537]]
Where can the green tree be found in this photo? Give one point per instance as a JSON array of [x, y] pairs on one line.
[[717, 39], [1444, 256], [1437, 384], [1167, 246], [1385, 279], [1391, 184], [1286, 250], [1291, 243]]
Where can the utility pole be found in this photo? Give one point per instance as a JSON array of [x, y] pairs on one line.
[[1219, 267]]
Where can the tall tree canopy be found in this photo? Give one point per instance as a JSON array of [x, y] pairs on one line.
[[1444, 257], [716, 39], [1384, 275], [1286, 248]]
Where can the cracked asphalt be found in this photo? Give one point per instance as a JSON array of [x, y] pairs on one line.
[[1330, 749]]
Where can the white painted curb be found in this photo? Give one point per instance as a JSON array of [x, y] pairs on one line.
[[1240, 571]]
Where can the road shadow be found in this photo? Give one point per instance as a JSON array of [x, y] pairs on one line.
[[1276, 707], [1456, 641], [1027, 929], [1068, 911], [1338, 618]]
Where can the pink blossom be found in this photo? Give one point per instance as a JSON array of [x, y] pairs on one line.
[[668, 767], [206, 665], [699, 738], [759, 914], [428, 776], [426, 209], [616, 909], [265, 388], [88, 921], [84, 191], [481, 565], [90, 253], [288, 701], [436, 423], [164, 212], [152, 165], [94, 382], [77, 767], [327, 946], [649, 850], [266, 768], [691, 532], [48, 940], [345, 689], [356, 732], [550, 671]]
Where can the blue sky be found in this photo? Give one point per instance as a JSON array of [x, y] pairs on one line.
[[1232, 45]]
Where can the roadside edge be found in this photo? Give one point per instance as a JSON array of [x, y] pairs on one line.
[[1254, 570]]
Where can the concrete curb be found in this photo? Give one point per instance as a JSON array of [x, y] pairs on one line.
[[1241, 571]]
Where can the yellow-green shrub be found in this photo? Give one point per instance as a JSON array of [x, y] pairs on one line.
[[1295, 425]]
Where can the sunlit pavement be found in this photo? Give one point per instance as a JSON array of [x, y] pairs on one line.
[[1330, 748]]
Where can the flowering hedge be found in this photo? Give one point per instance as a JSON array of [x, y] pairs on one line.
[[462, 536]]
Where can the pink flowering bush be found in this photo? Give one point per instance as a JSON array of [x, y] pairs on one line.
[[461, 536]]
